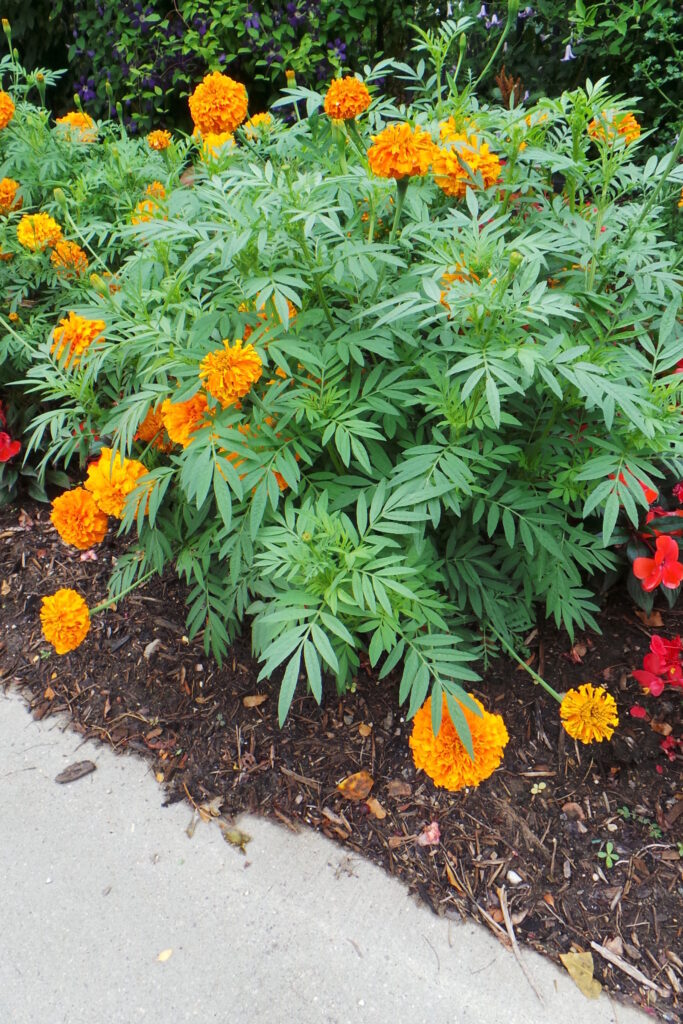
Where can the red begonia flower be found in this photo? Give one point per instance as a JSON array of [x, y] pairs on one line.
[[8, 447], [664, 568]]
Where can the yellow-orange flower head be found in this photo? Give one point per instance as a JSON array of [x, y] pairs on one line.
[[68, 259], [9, 200], [346, 98], [65, 619], [445, 759], [38, 231], [74, 335], [616, 124], [159, 139], [181, 419], [6, 109], [450, 172], [110, 481], [400, 151], [218, 104], [213, 145], [589, 713], [257, 123], [78, 520], [152, 430], [78, 125], [229, 373]]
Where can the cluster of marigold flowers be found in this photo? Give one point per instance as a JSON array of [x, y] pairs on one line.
[[587, 713]]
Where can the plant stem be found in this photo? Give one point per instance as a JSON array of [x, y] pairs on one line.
[[114, 600], [513, 7], [534, 675]]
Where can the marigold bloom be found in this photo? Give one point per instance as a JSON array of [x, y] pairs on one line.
[[664, 568], [77, 519], [8, 196], [452, 130], [616, 124], [110, 481], [255, 123], [213, 144], [589, 713], [79, 126], [229, 373], [65, 619], [152, 429], [450, 166], [346, 98], [147, 209], [6, 109], [218, 104], [444, 757], [74, 335], [159, 139], [68, 259], [400, 151], [38, 231], [181, 419]]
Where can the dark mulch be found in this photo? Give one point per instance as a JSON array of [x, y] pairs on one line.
[[530, 836]]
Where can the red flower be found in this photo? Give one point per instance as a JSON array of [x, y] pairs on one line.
[[636, 711], [677, 492], [663, 666], [8, 447], [664, 568], [669, 746], [659, 513]]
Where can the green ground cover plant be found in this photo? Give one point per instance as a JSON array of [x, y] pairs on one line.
[[387, 380]]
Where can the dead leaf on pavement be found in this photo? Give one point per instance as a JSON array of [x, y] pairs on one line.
[[580, 968], [76, 771], [376, 808], [254, 700], [234, 836], [164, 955], [396, 788], [356, 787]]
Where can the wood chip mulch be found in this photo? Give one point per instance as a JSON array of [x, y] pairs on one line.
[[522, 853]]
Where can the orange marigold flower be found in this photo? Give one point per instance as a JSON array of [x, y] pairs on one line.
[[589, 713], [248, 330], [6, 109], [613, 125], [79, 126], [444, 757], [400, 151], [159, 139], [181, 419], [255, 123], [151, 430], [346, 98], [218, 104], [451, 165], [65, 619], [213, 144], [68, 259], [680, 201], [110, 481], [38, 231], [78, 520], [9, 200], [156, 190], [14, 317], [229, 373], [6, 256], [74, 335], [451, 129]]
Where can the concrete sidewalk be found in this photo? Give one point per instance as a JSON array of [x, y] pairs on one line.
[[97, 879]]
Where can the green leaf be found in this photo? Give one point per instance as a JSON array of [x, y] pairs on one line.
[[312, 663], [288, 686]]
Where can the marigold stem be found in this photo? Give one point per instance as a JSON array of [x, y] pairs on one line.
[[534, 675], [114, 600]]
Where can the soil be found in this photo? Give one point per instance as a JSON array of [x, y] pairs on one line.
[[528, 845]]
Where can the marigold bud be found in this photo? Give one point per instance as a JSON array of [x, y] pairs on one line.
[[516, 260], [58, 193]]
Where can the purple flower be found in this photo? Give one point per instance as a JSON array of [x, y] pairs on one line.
[[483, 13], [338, 49], [253, 21], [494, 21], [526, 13], [568, 54]]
